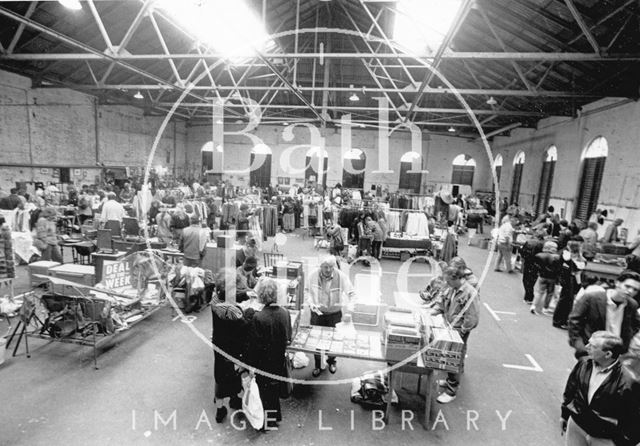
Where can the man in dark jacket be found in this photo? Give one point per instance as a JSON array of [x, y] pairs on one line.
[[548, 265], [10, 202], [601, 403], [528, 251], [614, 310]]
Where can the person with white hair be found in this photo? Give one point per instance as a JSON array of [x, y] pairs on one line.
[[112, 213], [329, 291]]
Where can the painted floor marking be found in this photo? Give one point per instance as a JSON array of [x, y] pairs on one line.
[[536, 367]]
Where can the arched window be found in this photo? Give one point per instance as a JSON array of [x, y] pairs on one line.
[[207, 156], [518, 167], [463, 169], [546, 179], [593, 161], [498, 164], [313, 164], [357, 160], [261, 156], [410, 180]]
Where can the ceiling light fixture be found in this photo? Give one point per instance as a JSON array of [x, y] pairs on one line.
[[491, 101], [421, 25], [230, 27], [451, 129], [71, 4], [138, 95]]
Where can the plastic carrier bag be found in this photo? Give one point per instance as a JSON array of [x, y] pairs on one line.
[[251, 402]]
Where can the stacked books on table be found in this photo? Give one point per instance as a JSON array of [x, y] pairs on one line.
[[445, 350]]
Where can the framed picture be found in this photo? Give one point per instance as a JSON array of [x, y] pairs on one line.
[[287, 180], [56, 173], [44, 171], [77, 172]]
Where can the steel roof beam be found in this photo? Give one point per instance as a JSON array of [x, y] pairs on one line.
[[459, 111], [81, 46], [449, 55], [457, 22], [21, 26], [515, 66], [583, 26], [430, 90]]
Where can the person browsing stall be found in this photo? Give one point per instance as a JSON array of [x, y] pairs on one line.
[[246, 278], [193, 243], [601, 403], [269, 333], [112, 213], [458, 305], [327, 288]]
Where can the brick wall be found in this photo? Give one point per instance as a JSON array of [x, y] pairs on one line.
[[41, 129]]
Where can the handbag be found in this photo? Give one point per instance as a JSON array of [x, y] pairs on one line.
[[286, 386]]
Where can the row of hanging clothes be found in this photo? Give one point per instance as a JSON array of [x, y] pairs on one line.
[[413, 223], [270, 220]]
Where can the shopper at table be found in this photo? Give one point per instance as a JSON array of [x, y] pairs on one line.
[[246, 278], [193, 243], [336, 242], [46, 238], [329, 291], [269, 335], [601, 402], [571, 265], [112, 214], [590, 238], [458, 305], [611, 233], [436, 284], [377, 236], [230, 332], [614, 310]]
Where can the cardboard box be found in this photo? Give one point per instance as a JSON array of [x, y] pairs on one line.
[[42, 267]]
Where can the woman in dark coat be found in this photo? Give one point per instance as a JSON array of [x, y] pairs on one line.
[[229, 335], [269, 335]]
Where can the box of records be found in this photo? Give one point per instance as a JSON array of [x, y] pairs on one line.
[[445, 350], [401, 343], [402, 317]]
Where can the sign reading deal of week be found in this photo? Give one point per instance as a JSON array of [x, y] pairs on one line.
[[116, 276]]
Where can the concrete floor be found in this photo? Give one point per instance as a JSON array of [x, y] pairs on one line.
[[160, 367]]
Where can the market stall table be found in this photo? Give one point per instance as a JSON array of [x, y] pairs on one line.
[[89, 302], [366, 345], [604, 271]]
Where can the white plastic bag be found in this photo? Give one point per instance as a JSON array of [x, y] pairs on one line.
[[299, 360], [251, 402]]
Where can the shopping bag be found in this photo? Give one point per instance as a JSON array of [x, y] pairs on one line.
[[286, 386], [251, 402]]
